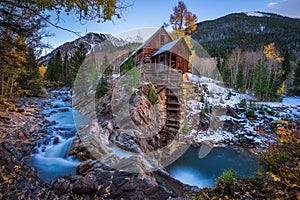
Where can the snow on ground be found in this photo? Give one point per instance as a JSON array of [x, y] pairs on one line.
[[194, 107], [288, 108], [287, 101], [292, 101], [115, 76], [229, 118], [193, 78], [215, 137], [217, 92], [218, 95], [222, 136], [200, 79], [237, 97]]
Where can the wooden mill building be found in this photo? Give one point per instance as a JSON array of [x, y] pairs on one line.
[[160, 48], [165, 59]]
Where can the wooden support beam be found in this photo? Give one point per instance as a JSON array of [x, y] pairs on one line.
[[160, 90], [170, 58]]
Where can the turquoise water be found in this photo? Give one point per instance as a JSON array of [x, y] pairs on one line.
[[51, 159], [192, 170]]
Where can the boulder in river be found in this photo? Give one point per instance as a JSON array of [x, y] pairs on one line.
[[56, 140], [63, 109]]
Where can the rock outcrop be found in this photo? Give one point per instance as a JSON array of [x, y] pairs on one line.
[[95, 180]]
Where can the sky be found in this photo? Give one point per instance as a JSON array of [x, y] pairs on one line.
[[153, 13]]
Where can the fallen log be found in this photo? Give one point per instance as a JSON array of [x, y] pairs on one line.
[[231, 112]]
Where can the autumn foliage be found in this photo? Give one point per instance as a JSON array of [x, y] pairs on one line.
[[279, 174], [272, 53], [281, 162], [183, 20], [42, 70]]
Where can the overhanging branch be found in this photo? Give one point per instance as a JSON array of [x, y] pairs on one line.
[[59, 27]]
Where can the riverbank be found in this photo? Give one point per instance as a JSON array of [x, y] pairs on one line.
[[20, 126], [28, 129]]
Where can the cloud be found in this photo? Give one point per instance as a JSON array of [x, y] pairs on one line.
[[272, 4], [290, 8]]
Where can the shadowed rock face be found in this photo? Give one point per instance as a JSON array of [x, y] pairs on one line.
[[97, 180]]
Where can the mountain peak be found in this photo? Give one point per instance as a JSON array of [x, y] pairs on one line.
[[89, 41]]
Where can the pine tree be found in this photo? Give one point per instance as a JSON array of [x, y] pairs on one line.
[[243, 104], [30, 81], [251, 110], [50, 73], [296, 84], [239, 81], [219, 65], [225, 73], [65, 67], [261, 82], [101, 88], [54, 70], [286, 65], [58, 66], [128, 65], [74, 64], [186, 129], [153, 95]]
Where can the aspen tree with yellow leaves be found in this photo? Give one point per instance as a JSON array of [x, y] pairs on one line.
[[42, 70], [272, 53], [278, 67], [183, 20]]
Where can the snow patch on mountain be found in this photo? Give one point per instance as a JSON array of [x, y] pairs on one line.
[[90, 41], [257, 14]]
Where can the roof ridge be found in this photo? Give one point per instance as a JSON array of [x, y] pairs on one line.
[[166, 47]]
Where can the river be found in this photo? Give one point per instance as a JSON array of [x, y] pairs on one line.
[[203, 172], [51, 159]]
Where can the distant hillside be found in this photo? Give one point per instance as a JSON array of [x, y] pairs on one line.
[[245, 30], [250, 31], [89, 41]]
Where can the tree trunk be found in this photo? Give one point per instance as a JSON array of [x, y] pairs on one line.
[[11, 87], [2, 85]]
